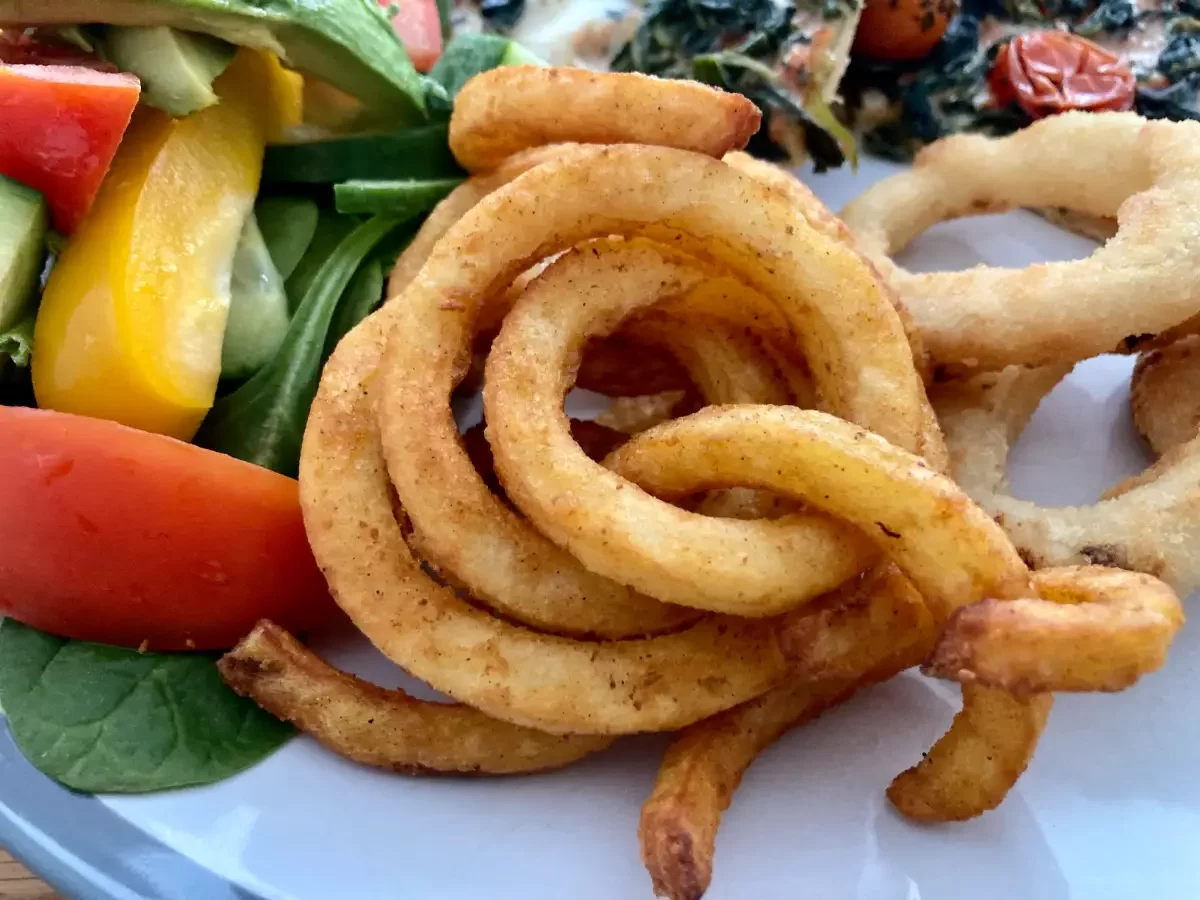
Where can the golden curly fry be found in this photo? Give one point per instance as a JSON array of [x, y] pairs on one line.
[[506, 671], [1165, 394], [863, 634], [1145, 173], [1111, 628], [628, 190], [386, 728], [742, 567], [953, 553], [974, 765], [513, 108]]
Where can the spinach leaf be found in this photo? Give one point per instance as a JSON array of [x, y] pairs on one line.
[[363, 295], [468, 55], [101, 718], [263, 421], [332, 228], [288, 225]]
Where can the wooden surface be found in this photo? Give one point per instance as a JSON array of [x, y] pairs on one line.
[[16, 883]]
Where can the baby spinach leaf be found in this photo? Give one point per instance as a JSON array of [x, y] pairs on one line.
[[362, 296], [263, 421], [288, 225], [100, 718], [331, 229]]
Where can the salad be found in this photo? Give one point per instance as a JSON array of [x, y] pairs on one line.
[[197, 200]]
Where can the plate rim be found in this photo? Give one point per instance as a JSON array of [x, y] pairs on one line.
[[83, 849]]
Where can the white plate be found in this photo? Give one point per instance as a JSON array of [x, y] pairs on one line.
[[1109, 809]]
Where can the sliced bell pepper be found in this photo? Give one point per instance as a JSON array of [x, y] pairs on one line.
[[133, 314], [61, 127]]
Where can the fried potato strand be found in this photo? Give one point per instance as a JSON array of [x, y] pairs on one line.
[[953, 553], [513, 108], [386, 728], [862, 635], [1111, 628]]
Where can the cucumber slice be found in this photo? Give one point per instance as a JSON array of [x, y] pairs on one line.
[[23, 225], [258, 307], [397, 199], [413, 153]]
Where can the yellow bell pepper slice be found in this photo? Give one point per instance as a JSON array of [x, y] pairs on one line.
[[287, 98], [133, 316]]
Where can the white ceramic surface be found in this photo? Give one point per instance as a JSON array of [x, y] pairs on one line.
[[1109, 810]]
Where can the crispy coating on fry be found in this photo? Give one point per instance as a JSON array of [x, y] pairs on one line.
[[971, 769], [513, 673], [724, 565], [386, 728], [627, 190], [951, 551], [1165, 394], [513, 108], [860, 636], [1093, 629]]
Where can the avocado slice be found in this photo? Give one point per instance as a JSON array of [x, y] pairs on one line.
[[23, 225], [258, 307], [176, 67], [349, 43]]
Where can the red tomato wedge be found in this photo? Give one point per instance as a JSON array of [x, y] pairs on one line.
[[61, 127], [125, 537], [420, 29]]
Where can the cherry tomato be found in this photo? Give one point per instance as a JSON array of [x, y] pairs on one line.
[[1048, 72], [61, 127], [121, 536], [899, 30], [419, 27]]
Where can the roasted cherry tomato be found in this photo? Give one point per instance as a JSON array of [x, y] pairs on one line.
[[419, 27], [1047, 72], [125, 537], [902, 29]]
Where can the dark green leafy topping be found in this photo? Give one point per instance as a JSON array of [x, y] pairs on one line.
[[1181, 57], [948, 91], [107, 719], [502, 15], [742, 46]]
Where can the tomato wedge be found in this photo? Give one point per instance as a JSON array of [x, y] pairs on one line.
[[61, 127], [419, 28], [125, 537]]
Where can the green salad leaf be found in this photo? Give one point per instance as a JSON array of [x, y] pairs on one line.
[[288, 225], [263, 421], [108, 719]]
